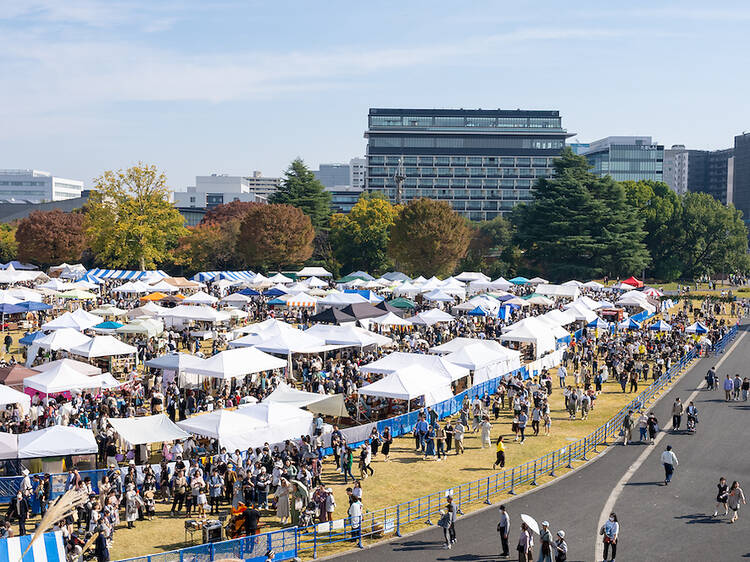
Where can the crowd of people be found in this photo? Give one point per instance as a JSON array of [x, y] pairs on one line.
[[198, 479]]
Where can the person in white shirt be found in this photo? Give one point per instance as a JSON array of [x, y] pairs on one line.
[[355, 516], [562, 372], [669, 460]]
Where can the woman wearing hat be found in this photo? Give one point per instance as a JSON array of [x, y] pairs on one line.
[[561, 547]]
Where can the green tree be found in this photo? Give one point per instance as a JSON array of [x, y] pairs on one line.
[[491, 249], [50, 237], [714, 237], [660, 208], [209, 247], [8, 243], [428, 238], [579, 225], [129, 219], [300, 189], [360, 238], [272, 236]]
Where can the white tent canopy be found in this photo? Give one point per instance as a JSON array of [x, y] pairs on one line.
[[228, 427], [8, 446], [83, 368], [542, 338], [313, 272], [431, 317], [147, 429], [279, 421], [456, 344], [439, 367], [486, 362], [349, 336], [56, 441], [326, 404], [287, 343], [78, 320], [134, 287], [408, 383], [197, 313], [64, 338], [234, 363], [61, 378], [175, 362], [390, 319], [568, 291], [103, 346], [200, 297], [10, 395], [561, 317]]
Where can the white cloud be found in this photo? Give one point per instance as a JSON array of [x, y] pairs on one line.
[[53, 74]]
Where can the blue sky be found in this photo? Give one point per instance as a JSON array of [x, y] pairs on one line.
[[231, 87]]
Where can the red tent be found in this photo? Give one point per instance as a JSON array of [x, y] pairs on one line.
[[634, 282]]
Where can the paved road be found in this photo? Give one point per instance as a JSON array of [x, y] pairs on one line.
[[657, 522]]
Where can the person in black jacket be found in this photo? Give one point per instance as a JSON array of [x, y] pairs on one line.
[[19, 507], [101, 549]]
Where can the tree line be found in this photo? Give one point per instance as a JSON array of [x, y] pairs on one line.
[[577, 225]]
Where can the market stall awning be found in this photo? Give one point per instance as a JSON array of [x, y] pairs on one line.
[[239, 362], [326, 404], [56, 441], [147, 429]]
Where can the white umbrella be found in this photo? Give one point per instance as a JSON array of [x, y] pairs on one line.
[[531, 522]]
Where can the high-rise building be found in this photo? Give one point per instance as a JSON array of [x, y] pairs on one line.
[[345, 182], [699, 171], [627, 158], [676, 168], [35, 186], [740, 173], [483, 162]]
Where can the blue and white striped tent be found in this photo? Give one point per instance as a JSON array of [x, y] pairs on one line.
[[126, 274], [204, 276], [48, 548]]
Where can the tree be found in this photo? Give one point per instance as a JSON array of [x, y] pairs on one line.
[[227, 212], [300, 189], [660, 208], [8, 244], [428, 238], [714, 237], [130, 221], [275, 235], [580, 225], [50, 237], [491, 249], [209, 247], [360, 239]]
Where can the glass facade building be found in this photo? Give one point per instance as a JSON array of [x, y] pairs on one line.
[[483, 162], [627, 158]]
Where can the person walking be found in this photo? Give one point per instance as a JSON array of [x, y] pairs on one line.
[[485, 428], [446, 520], [440, 442], [736, 495], [653, 427], [503, 529], [387, 440], [669, 460], [721, 496], [677, 410], [562, 372], [545, 543], [458, 437], [610, 532], [561, 547], [500, 454], [627, 427], [642, 427], [522, 419], [525, 544]]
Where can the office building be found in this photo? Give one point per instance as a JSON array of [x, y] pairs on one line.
[[579, 147], [483, 162], [699, 171], [345, 182], [627, 158], [739, 170], [332, 175], [261, 185], [216, 189], [34, 186], [676, 168]]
